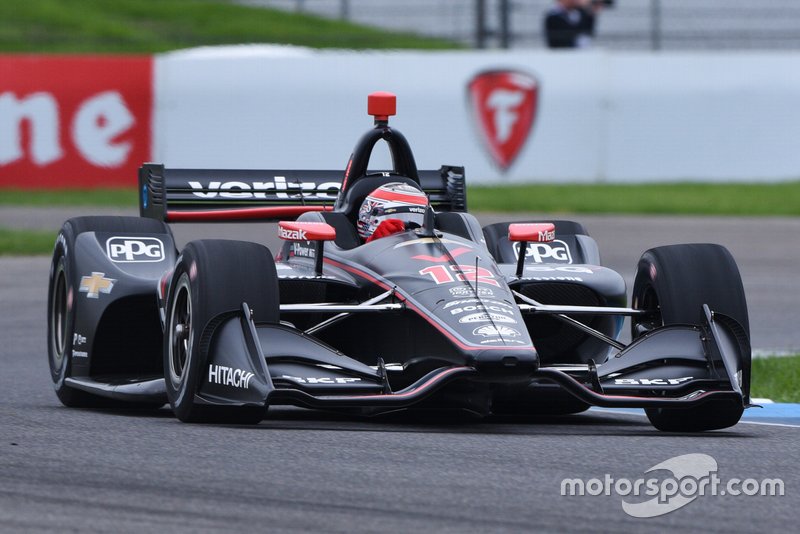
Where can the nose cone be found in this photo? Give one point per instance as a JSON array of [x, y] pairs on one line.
[[505, 364]]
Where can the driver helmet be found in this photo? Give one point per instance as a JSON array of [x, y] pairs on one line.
[[395, 200]]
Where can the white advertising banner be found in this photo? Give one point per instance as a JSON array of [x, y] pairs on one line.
[[508, 117]]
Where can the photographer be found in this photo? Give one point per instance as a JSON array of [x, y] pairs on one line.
[[570, 23]]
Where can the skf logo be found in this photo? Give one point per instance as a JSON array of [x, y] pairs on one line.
[[504, 103], [96, 284], [291, 235], [134, 249]]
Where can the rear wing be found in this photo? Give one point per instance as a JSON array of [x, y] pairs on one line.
[[176, 195]]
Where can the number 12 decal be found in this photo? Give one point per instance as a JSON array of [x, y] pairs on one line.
[[460, 273]]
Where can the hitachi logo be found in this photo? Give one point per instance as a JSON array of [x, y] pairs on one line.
[[229, 376], [280, 188]]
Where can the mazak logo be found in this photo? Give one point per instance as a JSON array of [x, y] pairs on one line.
[[503, 103], [292, 235], [547, 236], [134, 249]]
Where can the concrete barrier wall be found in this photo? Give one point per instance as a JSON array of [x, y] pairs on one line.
[[601, 116], [536, 116]]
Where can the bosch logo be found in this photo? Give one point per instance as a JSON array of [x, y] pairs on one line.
[[554, 252], [134, 249], [291, 235]]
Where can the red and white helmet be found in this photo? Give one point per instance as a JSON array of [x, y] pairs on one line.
[[394, 200]]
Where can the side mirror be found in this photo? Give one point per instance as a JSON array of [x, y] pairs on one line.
[[529, 232], [532, 232], [319, 232]]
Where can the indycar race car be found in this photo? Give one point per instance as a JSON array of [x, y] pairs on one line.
[[506, 319]]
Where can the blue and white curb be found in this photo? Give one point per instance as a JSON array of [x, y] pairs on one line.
[[770, 413]]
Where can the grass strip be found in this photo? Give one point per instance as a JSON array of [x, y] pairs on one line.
[[26, 242], [667, 199], [776, 378], [147, 26], [738, 199]]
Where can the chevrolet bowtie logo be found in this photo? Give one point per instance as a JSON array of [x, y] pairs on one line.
[[96, 284]]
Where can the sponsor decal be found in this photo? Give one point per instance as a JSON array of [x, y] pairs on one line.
[[278, 188], [305, 277], [560, 269], [547, 236], [487, 317], [481, 307], [292, 235], [134, 249], [503, 105], [430, 241], [80, 354], [78, 339], [554, 278], [95, 284], [651, 381], [467, 291], [490, 305], [448, 274], [495, 331], [229, 376], [302, 251], [322, 380], [74, 121], [554, 252]]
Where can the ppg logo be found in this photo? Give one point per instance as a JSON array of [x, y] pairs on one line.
[[134, 249], [555, 252]]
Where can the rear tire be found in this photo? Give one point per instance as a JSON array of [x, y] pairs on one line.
[[213, 277], [61, 311], [674, 282]]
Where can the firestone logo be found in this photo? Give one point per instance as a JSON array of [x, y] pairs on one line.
[[503, 103]]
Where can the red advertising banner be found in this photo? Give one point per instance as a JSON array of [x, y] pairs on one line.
[[74, 121]]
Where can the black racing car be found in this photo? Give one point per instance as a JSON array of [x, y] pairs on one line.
[[506, 319]]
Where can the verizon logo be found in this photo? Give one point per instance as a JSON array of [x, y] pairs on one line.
[[279, 188]]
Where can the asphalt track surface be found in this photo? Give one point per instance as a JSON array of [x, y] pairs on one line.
[[95, 471]]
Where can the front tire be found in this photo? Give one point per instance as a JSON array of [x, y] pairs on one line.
[[212, 278], [61, 305], [673, 283]]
